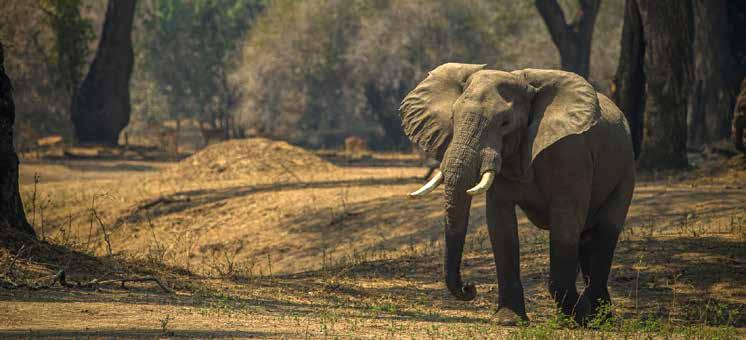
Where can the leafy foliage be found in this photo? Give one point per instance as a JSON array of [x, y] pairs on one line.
[[73, 34], [312, 72], [316, 72], [47, 48], [188, 50]]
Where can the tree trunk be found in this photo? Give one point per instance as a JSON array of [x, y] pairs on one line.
[[12, 215], [739, 119], [101, 106], [380, 101], [573, 39], [667, 28], [737, 21], [628, 88], [715, 83]]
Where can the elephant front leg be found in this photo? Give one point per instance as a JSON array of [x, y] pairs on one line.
[[565, 175], [564, 248], [502, 227]]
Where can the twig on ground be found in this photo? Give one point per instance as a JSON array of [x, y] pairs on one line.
[[61, 278], [143, 279], [9, 269], [291, 173]]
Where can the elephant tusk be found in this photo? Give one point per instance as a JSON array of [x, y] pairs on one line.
[[483, 184], [429, 186]]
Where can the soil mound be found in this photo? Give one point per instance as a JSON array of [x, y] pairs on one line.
[[248, 158]]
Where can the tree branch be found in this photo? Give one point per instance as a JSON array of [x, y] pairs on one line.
[[554, 19], [585, 18]]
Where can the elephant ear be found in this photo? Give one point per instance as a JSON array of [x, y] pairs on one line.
[[427, 111], [565, 104]]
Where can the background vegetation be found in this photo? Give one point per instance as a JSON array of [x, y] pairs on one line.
[[311, 72]]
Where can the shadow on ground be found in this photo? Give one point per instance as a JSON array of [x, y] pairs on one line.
[[704, 265], [138, 333], [180, 201]]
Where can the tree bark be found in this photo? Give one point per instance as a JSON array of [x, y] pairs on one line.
[[628, 87], [380, 101], [715, 83], [101, 106], [573, 39], [12, 216], [667, 28], [737, 21], [739, 119]]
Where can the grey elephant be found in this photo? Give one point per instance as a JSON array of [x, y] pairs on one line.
[[543, 140]]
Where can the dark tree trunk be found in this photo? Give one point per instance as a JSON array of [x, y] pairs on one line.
[[12, 216], [628, 88], [101, 106], [737, 21], [739, 119], [380, 101], [573, 39], [667, 28], [715, 83]]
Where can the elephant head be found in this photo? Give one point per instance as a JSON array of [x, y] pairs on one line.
[[480, 123]]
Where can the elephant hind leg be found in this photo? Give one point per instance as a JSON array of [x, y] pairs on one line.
[[597, 251], [595, 261]]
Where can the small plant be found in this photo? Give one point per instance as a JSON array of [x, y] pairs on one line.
[[156, 251], [602, 320], [385, 307], [227, 268], [719, 314], [164, 325], [560, 321]]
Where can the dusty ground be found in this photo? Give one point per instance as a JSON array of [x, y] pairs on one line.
[[287, 244]]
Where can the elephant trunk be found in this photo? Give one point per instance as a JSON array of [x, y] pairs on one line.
[[465, 161], [460, 174]]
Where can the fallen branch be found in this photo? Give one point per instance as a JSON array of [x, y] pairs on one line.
[[61, 278], [140, 279]]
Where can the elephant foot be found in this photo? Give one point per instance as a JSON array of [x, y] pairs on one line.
[[506, 316]]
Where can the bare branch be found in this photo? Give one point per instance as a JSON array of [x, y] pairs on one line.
[[9, 269], [103, 229], [61, 278], [554, 18]]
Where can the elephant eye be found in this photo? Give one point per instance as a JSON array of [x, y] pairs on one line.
[[505, 123]]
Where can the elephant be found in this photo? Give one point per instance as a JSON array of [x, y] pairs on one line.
[[739, 119], [542, 140]]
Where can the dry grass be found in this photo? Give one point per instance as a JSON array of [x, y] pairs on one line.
[[338, 251]]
